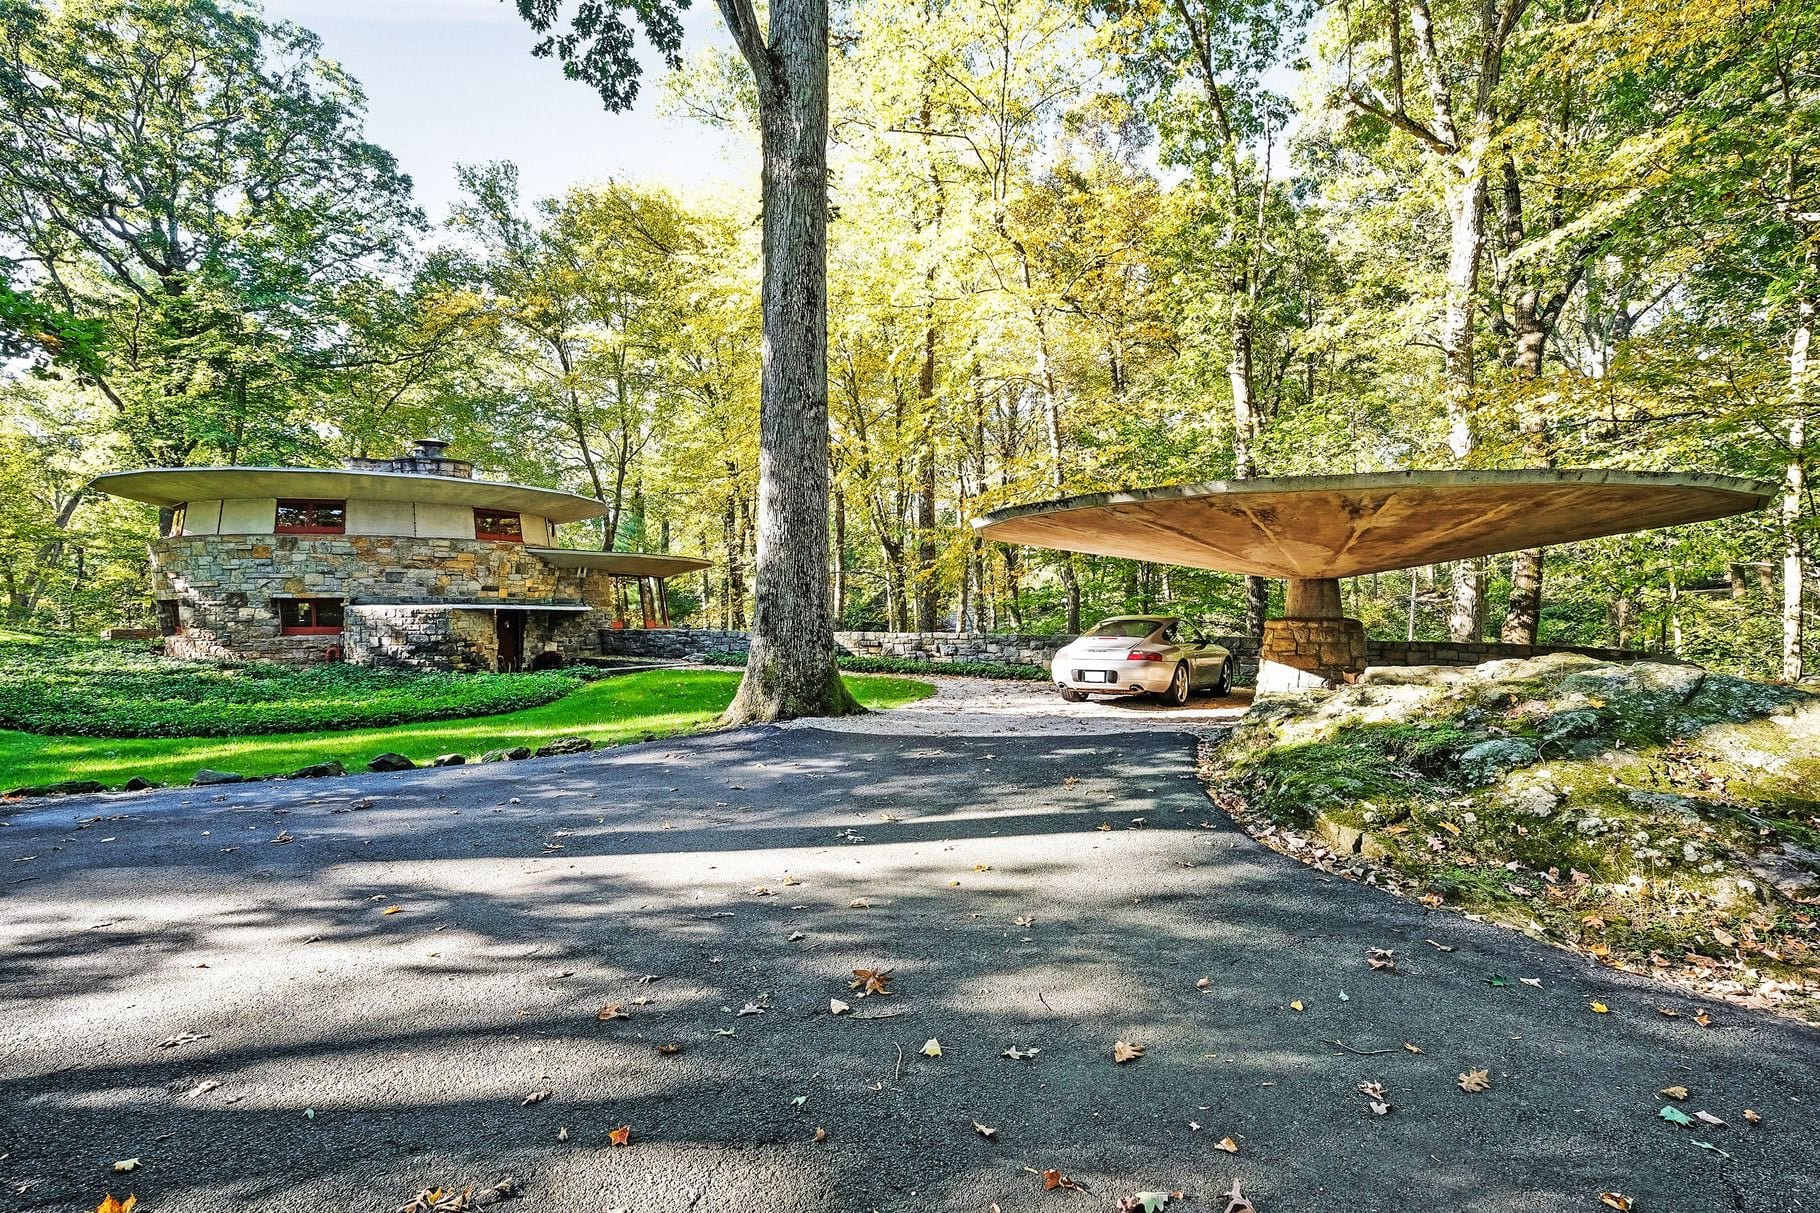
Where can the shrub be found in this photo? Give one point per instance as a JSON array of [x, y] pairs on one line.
[[75, 687]]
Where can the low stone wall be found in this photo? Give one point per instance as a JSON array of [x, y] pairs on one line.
[[1443, 652], [937, 648], [420, 638]]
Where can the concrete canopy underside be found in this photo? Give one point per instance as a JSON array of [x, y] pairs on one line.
[[170, 487], [622, 564], [1314, 527]]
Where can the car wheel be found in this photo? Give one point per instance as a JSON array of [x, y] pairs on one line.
[[1177, 694], [1225, 687], [1071, 696]]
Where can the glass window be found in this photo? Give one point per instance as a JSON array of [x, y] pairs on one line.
[[309, 616], [498, 524], [296, 517]]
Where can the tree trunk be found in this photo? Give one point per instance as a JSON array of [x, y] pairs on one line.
[[1466, 202], [1794, 578], [790, 668], [840, 556]]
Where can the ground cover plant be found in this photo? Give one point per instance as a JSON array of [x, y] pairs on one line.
[[63, 685], [1654, 816], [630, 707]]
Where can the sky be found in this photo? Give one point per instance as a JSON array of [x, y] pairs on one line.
[[453, 81]]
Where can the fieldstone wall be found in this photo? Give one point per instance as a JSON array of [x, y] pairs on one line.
[[1443, 652], [225, 585], [1303, 654], [420, 638]]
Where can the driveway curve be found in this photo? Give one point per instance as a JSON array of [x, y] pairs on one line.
[[333, 994]]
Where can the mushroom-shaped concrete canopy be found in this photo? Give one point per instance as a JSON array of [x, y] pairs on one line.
[[1310, 528]]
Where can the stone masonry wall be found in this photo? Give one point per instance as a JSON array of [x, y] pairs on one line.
[[420, 638], [225, 584]]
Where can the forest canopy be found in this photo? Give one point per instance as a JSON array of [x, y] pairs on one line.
[[1074, 245]]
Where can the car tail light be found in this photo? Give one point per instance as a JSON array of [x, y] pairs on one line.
[[1143, 655]]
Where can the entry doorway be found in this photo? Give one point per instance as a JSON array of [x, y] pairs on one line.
[[509, 630]]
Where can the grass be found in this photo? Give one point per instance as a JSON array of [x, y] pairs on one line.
[[62, 685], [630, 707]]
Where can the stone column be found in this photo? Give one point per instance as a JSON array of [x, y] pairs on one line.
[[1314, 646]]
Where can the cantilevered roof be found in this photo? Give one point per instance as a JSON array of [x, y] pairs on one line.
[[174, 486], [625, 564], [1342, 526]]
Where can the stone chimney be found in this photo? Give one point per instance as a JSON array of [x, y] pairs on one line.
[[427, 458]]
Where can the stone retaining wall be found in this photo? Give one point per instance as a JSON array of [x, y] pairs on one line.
[[1443, 652]]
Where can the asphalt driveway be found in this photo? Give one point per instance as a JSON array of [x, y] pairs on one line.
[[379, 971]]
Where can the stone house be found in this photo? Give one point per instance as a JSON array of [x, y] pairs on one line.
[[403, 562]]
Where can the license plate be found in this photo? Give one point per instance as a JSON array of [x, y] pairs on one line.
[[1093, 675]]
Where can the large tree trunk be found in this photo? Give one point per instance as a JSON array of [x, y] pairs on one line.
[[790, 668]]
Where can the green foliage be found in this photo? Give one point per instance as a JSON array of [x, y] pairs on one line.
[[626, 708], [60, 686], [911, 665]]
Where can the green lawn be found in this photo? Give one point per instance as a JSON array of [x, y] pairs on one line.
[[625, 708]]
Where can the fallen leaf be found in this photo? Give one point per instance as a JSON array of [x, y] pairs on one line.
[[1026, 921], [669, 1050], [1235, 1200], [202, 1088], [1053, 1179], [982, 867], [535, 1097], [1411, 1048], [1536, 982], [1675, 1116], [859, 903], [110, 1205], [1205, 983], [1703, 1019], [1615, 1200], [1450, 827], [612, 1011], [1227, 1144], [1673, 1092], [1475, 1080], [750, 1008], [621, 1136], [837, 1007], [1143, 1202], [1753, 1116], [1381, 959], [1296, 1005], [1600, 1008], [985, 1131], [1707, 1118], [1496, 981], [800, 1100], [725, 1032], [127, 1164], [932, 1048], [821, 1134], [1123, 1051], [796, 936], [182, 1038], [1017, 1054], [1439, 947], [871, 981], [391, 910], [1707, 1145], [1670, 1014]]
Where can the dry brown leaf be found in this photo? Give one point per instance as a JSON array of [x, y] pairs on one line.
[[1411, 1048], [535, 1097], [391, 910], [1382, 959], [127, 1164], [669, 1049], [859, 903], [1753, 1116], [1707, 1118], [613, 1011], [1053, 1179], [1026, 921], [1703, 1019], [1227, 1144], [1475, 1080], [870, 981], [110, 1205], [1615, 1200], [1235, 1200], [1674, 1092], [821, 1134], [562, 1132], [985, 1131], [621, 1136], [1123, 1051]]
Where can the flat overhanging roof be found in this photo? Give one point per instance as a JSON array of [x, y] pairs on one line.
[[625, 564], [1343, 526], [174, 486], [469, 606]]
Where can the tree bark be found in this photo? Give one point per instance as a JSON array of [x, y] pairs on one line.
[[1467, 206], [790, 668], [1794, 491]]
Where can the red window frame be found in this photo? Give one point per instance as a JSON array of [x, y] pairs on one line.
[[312, 610], [484, 532], [309, 505]]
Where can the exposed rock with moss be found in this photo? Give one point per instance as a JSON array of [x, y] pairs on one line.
[[1654, 815]]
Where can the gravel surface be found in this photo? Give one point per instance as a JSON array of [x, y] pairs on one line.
[[153, 945]]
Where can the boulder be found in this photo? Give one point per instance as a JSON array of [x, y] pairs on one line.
[[207, 778], [565, 745], [518, 751], [390, 761], [138, 783], [1485, 762], [514, 753], [319, 770], [449, 760]]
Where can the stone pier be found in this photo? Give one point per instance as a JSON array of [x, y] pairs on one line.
[[1314, 646]]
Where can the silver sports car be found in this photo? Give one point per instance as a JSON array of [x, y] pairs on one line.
[[1139, 654]]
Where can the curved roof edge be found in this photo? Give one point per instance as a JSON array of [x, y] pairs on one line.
[[1762, 490], [174, 486], [627, 564]]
